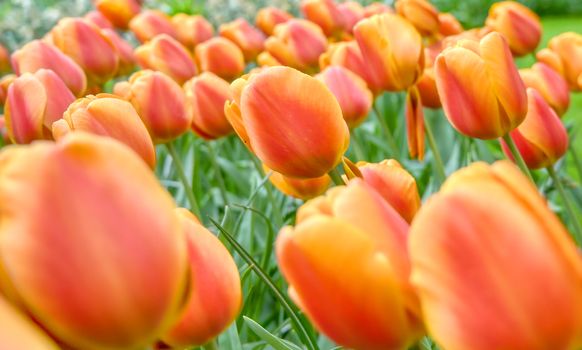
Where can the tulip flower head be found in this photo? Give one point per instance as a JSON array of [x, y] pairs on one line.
[[151, 23], [192, 30], [119, 12], [221, 57], [352, 12], [98, 19], [421, 13], [563, 55], [449, 25], [124, 50], [326, 14], [550, 84], [268, 18], [303, 189], [248, 38]]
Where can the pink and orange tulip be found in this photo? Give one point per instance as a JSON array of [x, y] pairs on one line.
[[563, 55], [124, 50], [5, 83], [352, 12], [326, 14], [221, 57], [98, 19], [248, 38], [449, 25], [151, 23], [421, 13], [119, 12], [268, 18], [550, 84], [192, 30]]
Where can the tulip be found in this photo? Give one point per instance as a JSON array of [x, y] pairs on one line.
[[490, 261], [248, 38], [392, 49], [124, 50], [376, 8], [351, 92], [480, 88], [449, 25], [107, 115], [297, 43], [206, 95], [352, 12], [98, 19], [421, 13], [269, 17], [350, 235], [160, 103], [303, 189], [151, 23], [297, 131], [326, 14], [29, 119], [5, 83], [81, 40], [215, 295], [264, 59], [119, 12], [519, 25], [4, 60], [192, 30], [563, 54], [89, 243], [167, 55], [428, 90], [221, 57], [550, 84]]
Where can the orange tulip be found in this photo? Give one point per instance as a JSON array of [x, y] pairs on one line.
[[550, 84], [167, 55], [392, 49], [215, 295], [480, 88], [124, 50], [350, 91], [326, 15], [98, 19], [81, 40], [563, 54], [449, 25], [151, 23], [33, 103], [518, 24], [107, 115], [421, 13], [298, 131], [377, 8], [541, 139], [37, 55], [352, 12], [221, 57], [206, 95], [264, 59], [350, 235], [248, 38], [4, 60], [269, 17], [297, 43], [192, 30], [299, 188], [5, 83], [490, 261], [119, 12], [428, 90], [90, 244], [160, 103]]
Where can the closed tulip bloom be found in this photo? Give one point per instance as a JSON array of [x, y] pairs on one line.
[[248, 38], [119, 12], [297, 43], [421, 13], [352, 234], [160, 103], [124, 50], [351, 92], [4, 60], [494, 106], [524, 268], [326, 14], [151, 23], [33, 103], [90, 244], [37, 55], [352, 12], [221, 57], [303, 189], [541, 139], [550, 84], [518, 24], [5, 83], [107, 115], [80, 40], [215, 294], [449, 25], [268, 18], [392, 49], [206, 95], [563, 54], [192, 30], [98, 19], [377, 8]]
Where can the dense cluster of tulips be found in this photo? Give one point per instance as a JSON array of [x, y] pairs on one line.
[[95, 254]]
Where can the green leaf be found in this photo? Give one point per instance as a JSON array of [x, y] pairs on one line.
[[274, 341]]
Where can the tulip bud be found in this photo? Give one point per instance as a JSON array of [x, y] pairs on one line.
[[269, 17], [124, 50], [392, 49], [90, 242], [303, 189], [165, 54], [377, 8], [38, 55], [350, 91], [33, 103], [519, 25], [221, 57], [81, 40], [491, 221], [5, 83], [550, 84], [298, 131], [563, 54], [248, 38], [352, 234], [151, 23], [4, 60], [326, 15], [206, 95], [298, 44], [421, 13], [98, 19], [352, 12], [449, 25], [107, 115], [192, 30], [496, 104], [160, 103], [119, 12], [215, 295]]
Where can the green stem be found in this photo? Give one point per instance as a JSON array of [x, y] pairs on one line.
[[577, 162], [210, 345], [440, 167], [567, 204], [219, 178], [336, 177], [387, 133], [182, 175], [517, 156]]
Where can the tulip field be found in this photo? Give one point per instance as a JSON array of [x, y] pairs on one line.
[[290, 175]]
